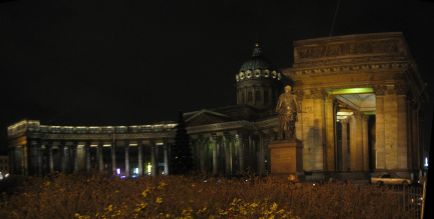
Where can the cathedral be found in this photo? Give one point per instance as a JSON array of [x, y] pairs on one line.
[[360, 102]]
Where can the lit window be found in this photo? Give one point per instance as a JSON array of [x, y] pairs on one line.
[[266, 73], [248, 74], [257, 73], [149, 168], [273, 74]]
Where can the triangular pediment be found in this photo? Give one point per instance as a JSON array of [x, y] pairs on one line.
[[205, 117]]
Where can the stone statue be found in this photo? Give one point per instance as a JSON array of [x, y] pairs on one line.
[[287, 108]]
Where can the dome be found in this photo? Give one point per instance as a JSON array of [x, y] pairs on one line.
[[256, 62]]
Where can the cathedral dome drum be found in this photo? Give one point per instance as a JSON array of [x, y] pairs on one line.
[[257, 81]]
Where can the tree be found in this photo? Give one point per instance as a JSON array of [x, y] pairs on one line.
[[181, 161]]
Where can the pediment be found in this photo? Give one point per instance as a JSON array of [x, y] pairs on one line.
[[205, 117]]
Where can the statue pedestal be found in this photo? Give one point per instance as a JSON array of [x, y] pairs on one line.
[[286, 157]]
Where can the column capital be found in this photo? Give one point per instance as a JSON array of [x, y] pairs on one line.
[[299, 93], [380, 90], [344, 121], [318, 93]]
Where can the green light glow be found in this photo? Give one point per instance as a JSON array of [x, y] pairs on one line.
[[361, 90], [369, 113]]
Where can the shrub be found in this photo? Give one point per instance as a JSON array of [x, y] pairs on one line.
[[102, 196]]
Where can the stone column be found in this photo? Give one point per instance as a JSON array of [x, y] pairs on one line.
[[30, 159], [314, 122], [113, 153], [166, 159], [308, 128], [240, 147], [75, 157], [153, 159], [238, 96], [65, 156], [41, 166], [365, 142], [50, 157], [260, 155], [252, 91], [203, 148], [416, 149], [380, 154], [270, 96], [81, 156], [345, 154], [87, 155], [221, 154], [100, 156], [250, 155], [330, 133], [72, 157], [391, 128], [254, 95], [127, 159], [402, 142], [356, 142], [232, 153], [214, 155], [38, 158], [30, 163], [140, 157], [228, 157], [245, 95]]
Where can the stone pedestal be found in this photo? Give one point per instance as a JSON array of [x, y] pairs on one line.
[[286, 157]]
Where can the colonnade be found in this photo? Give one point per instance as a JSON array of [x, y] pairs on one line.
[[233, 153], [353, 149], [219, 153], [124, 158], [256, 95]]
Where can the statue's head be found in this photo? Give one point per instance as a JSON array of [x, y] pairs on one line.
[[287, 88]]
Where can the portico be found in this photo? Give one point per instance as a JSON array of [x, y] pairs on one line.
[[343, 83]]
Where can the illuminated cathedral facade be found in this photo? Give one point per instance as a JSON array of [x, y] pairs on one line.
[[360, 98]]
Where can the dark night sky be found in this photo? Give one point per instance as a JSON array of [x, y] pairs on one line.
[[87, 62]]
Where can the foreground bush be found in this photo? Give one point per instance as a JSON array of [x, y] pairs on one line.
[[99, 196]]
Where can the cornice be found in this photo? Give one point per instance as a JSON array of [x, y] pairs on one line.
[[328, 70]]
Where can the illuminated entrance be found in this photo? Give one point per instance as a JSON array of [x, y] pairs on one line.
[[354, 129]]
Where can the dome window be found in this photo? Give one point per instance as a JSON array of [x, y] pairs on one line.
[[266, 73], [241, 75], [279, 76], [257, 73], [248, 74], [236, 78], [273, 74]]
